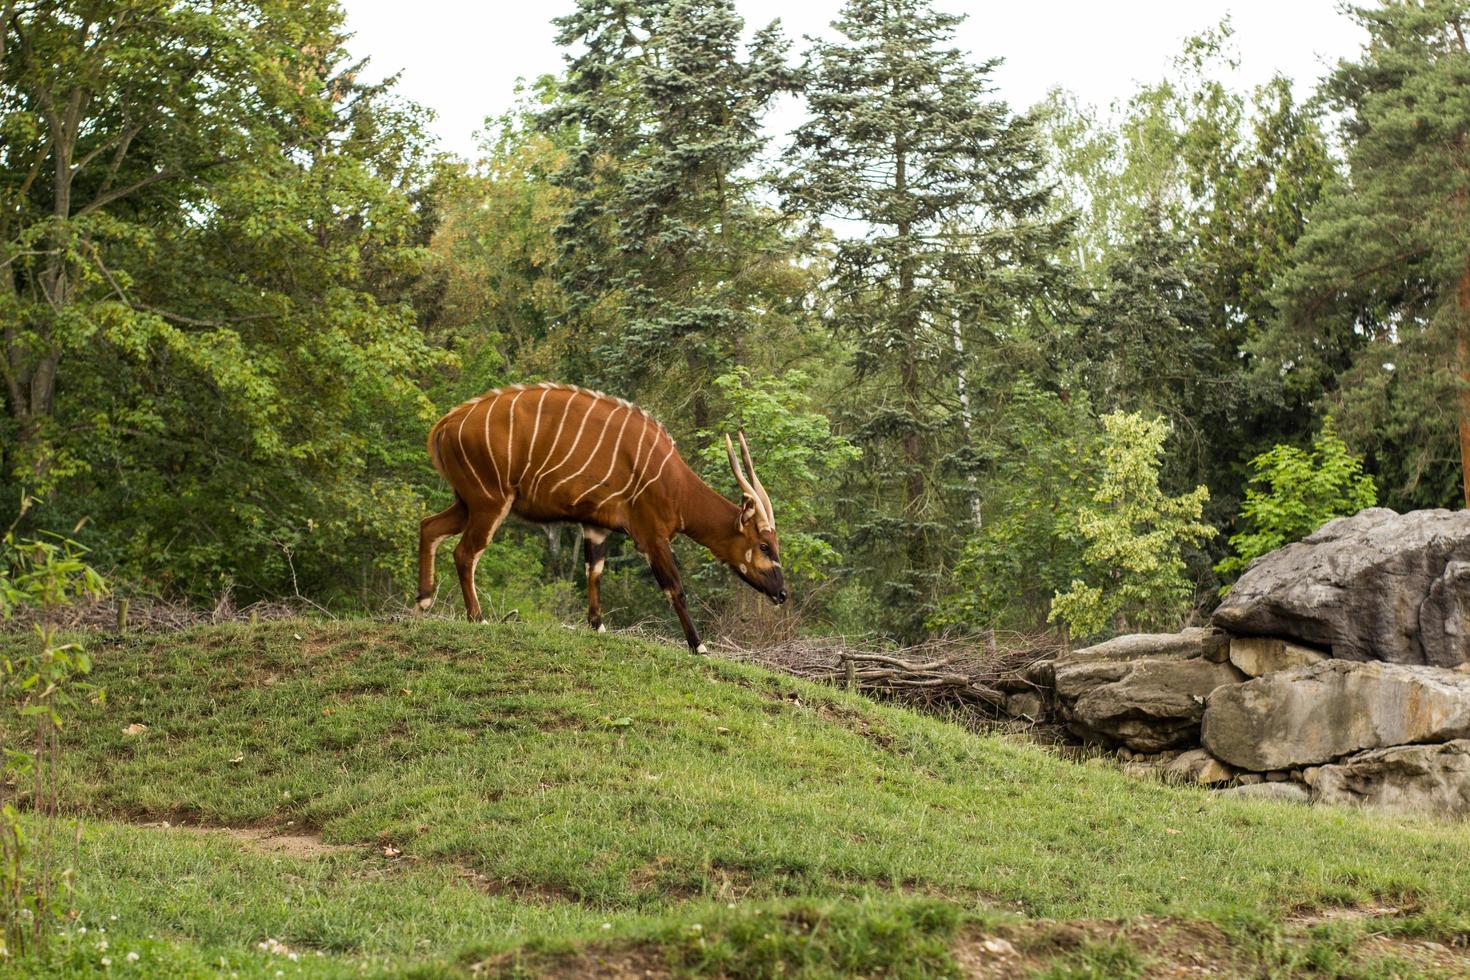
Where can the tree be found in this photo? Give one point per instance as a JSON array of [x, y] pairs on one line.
[[1148, 337], [113, 116], [666, 252], [1376, 308], [1296, 492], [945, 249], [1041, 464], [798, 454], [1135, 536], [209, 343]]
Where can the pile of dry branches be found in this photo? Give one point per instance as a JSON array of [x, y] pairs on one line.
[[976, 674], [113, 612]]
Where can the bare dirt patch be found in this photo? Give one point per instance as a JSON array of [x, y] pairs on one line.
[[528, 893], [263, 840], [606, 962], [1433, 958], [1306, 917], [1168, 948]]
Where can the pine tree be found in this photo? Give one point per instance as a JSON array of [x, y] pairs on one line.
[[942, 247], [667, 253], [1151, 341], [1377, 306]]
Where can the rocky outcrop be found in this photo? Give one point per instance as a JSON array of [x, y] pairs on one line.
[[1337, 670], [1409, 779], [1444, 617], [1148, 693], [1197, 767], [1257, 655], [1318, 713], [1375, 586], [1193, 643]]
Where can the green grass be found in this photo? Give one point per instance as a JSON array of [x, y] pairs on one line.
[[553, 794]]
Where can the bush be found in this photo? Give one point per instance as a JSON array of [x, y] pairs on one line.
[[1296, 492]]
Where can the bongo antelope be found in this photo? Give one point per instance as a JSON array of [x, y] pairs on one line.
[[551, 452]]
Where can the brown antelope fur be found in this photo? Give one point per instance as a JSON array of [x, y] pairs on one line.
[[551, 452]]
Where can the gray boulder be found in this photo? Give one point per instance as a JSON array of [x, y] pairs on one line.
[[1257, 655], [1197, 767], [1375, 586], [1409, 779], [1197, 641], [1444, 617], [1146, 692], [1324, 711]]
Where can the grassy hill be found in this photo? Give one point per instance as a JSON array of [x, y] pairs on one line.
[[434, 798]]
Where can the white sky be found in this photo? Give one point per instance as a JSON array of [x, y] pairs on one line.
[[461, 58]]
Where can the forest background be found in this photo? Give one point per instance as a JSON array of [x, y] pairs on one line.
[[1001, 368]]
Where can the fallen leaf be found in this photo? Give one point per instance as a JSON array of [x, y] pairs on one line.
[[136, 728], [237, 760], [390, 851], [722, 729], [1171, 830]]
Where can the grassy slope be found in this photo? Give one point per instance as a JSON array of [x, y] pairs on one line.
[[548, 789]]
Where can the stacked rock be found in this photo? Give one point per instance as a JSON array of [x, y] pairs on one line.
[[1337, 670]]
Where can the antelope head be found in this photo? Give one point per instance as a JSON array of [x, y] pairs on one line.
[[752, 549]]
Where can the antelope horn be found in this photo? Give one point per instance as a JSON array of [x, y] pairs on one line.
[[762, 520], [765, 498]]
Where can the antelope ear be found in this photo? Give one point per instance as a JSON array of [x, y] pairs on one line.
[[747, 513]]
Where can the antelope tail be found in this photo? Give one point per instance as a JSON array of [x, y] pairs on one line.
[[434, 434]]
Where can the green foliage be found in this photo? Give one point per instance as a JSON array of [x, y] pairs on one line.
[[1044, 454], [1192, 195], [945, 255], [669, 258], [213, 353], [799, 456], [41, 680], [1375, 306], [1296, 492], [1135, 535]]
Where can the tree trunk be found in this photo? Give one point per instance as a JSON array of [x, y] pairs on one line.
[[908, 369], [962, 387], [1462, 345]]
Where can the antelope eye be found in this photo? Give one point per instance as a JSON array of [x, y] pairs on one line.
[[765, 548]]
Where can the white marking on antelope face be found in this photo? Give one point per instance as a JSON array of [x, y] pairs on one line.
[[743, 569], [748, 554]]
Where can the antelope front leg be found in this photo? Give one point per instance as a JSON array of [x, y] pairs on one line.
[[661, 557]]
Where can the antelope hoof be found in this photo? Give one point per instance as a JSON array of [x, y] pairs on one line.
[[602, 627], [701, 649], [423, 604]]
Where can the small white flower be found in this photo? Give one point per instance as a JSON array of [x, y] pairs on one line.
[[106, 961], [607, 925], [102, 946], [132, 957]]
